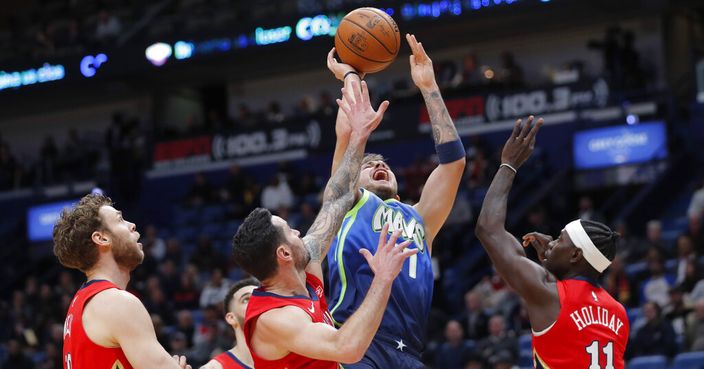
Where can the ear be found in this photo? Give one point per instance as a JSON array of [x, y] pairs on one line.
[[284, 253], [100, 238], [398, 198], [576, 255], [231, 320]]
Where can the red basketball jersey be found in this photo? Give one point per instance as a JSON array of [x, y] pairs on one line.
[[79, 351], [314, 305], [229, 361], [591, 331]]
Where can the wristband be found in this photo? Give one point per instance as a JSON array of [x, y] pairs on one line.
[[348, 73], [509, 167], [450, 151]]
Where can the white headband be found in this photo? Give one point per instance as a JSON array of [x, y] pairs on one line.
[[591, 253]]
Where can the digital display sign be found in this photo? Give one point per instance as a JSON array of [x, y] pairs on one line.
[[612, 146], [41, 219]]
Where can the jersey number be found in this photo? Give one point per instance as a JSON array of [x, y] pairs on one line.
[[412, 266], [68, 361], [593, 350]]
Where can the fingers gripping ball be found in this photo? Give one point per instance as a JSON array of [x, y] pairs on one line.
[[367, 39]]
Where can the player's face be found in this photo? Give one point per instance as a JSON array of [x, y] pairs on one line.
[[124, 238], [558, 255], [377, 177], [239, 303], [292, 237]]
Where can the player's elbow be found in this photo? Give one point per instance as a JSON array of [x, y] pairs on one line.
[[351, 352]]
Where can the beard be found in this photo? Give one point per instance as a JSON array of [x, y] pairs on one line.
[[302, 259], [127, 256], [384, 192]]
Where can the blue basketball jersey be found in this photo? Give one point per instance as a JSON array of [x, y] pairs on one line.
[[350, 276]]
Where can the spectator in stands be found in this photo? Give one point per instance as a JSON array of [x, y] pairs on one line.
[[215, 290], [187, 294], [445, 71], [653, 233], [153, 244], [205, 258], [695, 233], [178, 344], [201, 191], [587, 211], [277, 194], [677, 311], [169, 278], [510, 73], [696, 205], [474, 320], [694, 336], [305, 218], [108, 27], [157, 303], [630, 249], [633, 77], [474, 361], [53, 358], [185, 325], [454, 351], [470, 75], [173, 251], [617, 283], [685, 252], [657, 287], [498, 340], [656, 337], [495, 295], [326, 105], [502, 360], [48, 161], [246, 119]]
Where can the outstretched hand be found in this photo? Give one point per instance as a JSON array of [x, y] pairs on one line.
[[388, 260], [339, 69], [539, 241], [421, 66], [521, 143], [355, 104]]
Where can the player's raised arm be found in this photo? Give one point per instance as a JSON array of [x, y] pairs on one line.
[[341, 189], [530, 280], [441, 188], [127, 322], [347, 74], [291, 329]]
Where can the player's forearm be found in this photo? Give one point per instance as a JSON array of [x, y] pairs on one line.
[[338, 198], [492, 218], [443, 128], [341, 143], [357, 332]]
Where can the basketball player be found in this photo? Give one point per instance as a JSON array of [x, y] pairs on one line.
[[400, 338], [576, 323], [287, 324], [106, 327], [235, 305]]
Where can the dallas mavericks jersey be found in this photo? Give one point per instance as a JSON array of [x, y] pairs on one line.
[[350, 276]]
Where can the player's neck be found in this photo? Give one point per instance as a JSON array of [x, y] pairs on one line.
[[241, 351], [109, 270], [287, 283]]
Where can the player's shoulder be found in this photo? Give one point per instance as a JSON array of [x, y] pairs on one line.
[[115, 303], [212, 364]]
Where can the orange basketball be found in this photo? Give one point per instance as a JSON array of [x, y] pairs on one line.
[[367, 39]]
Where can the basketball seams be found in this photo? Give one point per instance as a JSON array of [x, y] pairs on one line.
[[351, 49], [385, 17], [373, 36]]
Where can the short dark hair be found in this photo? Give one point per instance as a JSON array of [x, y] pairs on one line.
[[73, 243], [236, 287], [368, 157], [603, 237], [254, 245]]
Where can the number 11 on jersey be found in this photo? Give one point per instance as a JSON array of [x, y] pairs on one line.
[[412, 265]]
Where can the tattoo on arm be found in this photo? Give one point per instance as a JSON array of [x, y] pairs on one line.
[[337, 200], [440, 120]]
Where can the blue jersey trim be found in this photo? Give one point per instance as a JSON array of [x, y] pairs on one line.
[[88, 283], [233, 357]]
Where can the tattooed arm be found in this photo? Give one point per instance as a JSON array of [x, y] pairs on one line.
[[341, 189], [441, 187]]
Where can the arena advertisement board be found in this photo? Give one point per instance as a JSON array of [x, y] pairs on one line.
[[621, 145], [255, 146]]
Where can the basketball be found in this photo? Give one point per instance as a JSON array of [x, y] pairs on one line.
[[367, 39]]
